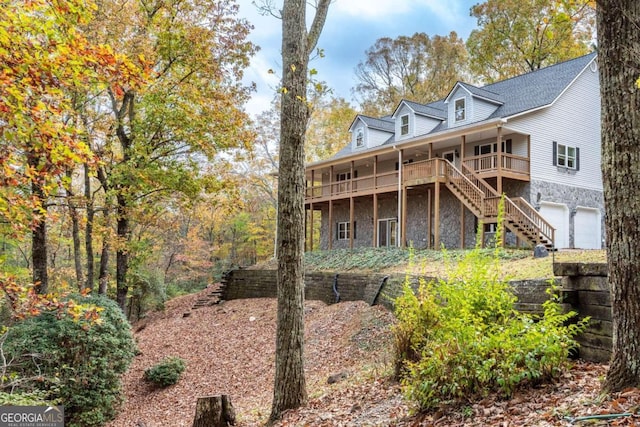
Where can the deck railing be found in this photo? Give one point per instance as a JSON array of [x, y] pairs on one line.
[[488, 163], [423, 170], [353, 186]]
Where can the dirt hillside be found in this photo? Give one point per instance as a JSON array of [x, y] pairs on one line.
[[229, 349]]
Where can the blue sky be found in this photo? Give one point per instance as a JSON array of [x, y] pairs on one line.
[[352, 27]]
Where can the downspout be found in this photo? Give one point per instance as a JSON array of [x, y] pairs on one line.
[[400, 224]]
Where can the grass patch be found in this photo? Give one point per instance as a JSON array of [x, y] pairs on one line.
[[514, 264]]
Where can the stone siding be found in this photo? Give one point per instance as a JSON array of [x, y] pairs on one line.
[[570, 196]]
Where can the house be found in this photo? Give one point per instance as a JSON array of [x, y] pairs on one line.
[[427, 174]]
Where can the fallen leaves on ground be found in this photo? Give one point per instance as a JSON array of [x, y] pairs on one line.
[[230, 349]]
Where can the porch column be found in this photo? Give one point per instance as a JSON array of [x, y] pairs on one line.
[[436, 238], [404, 216], [375, 173], [399, 214], [311, 227], [499, 166], [375, 201], [351, 229], [351, 181], [330, 243], [462, 142], [331, 181], [375, 220], [529, 154], [429, 224], [499, 181]]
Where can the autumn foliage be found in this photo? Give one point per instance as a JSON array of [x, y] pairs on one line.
[[462, 338]]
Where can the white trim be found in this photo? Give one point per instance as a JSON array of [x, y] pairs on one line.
[[389, 234], [346, 232], [360, 135], [453, 89], [465, 110], [408, 124]]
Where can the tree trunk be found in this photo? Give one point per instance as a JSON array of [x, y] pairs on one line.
[[214, 411], [88, 231], [122, 253], [39, 256], [75, 234], [103, 275], [39, 232], [619, 48], [290, 386]]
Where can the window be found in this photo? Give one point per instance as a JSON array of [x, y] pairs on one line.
[[479, 150], [404, 125], [343, 230], [449, 155], [359, 138], [460, 110], [566, 156], [343, 176]]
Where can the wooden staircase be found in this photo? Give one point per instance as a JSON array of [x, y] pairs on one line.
[[483, 200]]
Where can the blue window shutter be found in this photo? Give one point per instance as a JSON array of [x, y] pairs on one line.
[[555, 153], [577, 159]]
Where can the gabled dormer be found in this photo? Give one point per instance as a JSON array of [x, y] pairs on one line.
[[367, 132], [467, 104], [413, 119]]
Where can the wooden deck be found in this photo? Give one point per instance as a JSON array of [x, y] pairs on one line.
[[418, 173]]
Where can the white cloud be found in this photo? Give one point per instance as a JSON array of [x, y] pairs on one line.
[[266, 83], [377, 10]]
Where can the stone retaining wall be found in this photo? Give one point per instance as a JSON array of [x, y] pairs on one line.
[[584, 290], [587, 291]]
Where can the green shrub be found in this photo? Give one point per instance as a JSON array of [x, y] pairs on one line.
[[75, 363], [165, 373], [462, 337], [25, 399]]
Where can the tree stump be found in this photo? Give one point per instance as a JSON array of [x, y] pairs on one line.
[[214, 411]]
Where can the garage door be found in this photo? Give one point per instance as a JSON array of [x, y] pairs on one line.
[[587, 228], [557, 214]]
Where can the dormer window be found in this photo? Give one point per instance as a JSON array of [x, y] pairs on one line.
[[460, 109], [404, 125], [359, 138]]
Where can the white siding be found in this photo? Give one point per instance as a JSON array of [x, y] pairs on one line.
[[482, 109], [573, 120], [376, 137], [425, 125]]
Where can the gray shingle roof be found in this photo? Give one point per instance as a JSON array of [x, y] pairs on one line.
[[516, 95], [482, 92], [427, 110], [536, 88], [384, 123]]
